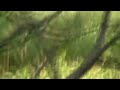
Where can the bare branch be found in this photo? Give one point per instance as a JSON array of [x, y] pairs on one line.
[[46, 21], [87, 66], [95, 53], [103, 30], [31, 27], [39, 69]]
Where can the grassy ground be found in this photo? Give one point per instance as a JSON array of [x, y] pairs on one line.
[[20, 62]]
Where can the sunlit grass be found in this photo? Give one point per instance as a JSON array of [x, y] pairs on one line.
[[69, 24], [95, 73]]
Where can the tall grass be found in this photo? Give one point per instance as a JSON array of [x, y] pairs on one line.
[[73, 33]]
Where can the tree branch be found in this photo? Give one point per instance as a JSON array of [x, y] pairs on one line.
[[103, 30], [79, 72], [39, 69], [46, 21], [95, 53], [30, 27]]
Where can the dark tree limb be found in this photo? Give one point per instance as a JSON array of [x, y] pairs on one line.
[[95, 53], [46, 22], [42, 25], [79, 72], [32, 27], [103, 30], [39, 69]]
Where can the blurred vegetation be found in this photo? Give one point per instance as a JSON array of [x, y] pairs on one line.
[[65, 43]]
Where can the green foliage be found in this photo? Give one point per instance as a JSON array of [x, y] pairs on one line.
[[66, 42]]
